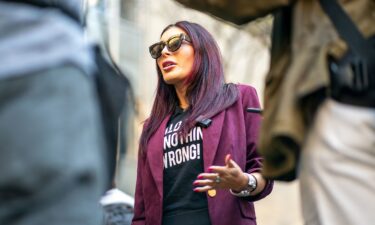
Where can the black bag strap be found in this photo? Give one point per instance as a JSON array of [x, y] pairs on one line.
[[346, 27], [361, 50]]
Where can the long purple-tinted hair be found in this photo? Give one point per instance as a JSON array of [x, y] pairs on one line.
[[206, 92]]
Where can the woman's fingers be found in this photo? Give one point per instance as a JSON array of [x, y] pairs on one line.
[[211, 176], [207, 181], [212, 179], [218, 169], [230, 169], [203, 189], [232, 164], [228, 157], [204, 182], [227, 177]]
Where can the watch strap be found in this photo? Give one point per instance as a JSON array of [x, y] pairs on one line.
[[250, 187]]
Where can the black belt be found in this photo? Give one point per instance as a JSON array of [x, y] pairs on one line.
[[347, 96]]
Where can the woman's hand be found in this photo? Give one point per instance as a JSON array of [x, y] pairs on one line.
[[229, 176]]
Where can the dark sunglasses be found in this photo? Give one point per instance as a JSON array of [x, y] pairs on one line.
[[173, 44]]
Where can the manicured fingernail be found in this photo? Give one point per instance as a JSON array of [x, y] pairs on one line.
[[200, 177], [195, 182], [195, 190], [210, 169]]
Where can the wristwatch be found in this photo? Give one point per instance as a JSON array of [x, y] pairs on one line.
[[250, 187]]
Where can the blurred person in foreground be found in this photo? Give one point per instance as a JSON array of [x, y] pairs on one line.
[[197, 162], [52, 167], [319, 114]]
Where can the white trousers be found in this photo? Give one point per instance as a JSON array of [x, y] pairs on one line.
[[337, 167]]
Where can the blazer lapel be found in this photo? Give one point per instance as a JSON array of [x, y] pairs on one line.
[[211, 136], [155, 155]]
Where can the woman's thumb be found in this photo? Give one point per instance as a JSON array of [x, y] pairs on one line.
[[228, 160]]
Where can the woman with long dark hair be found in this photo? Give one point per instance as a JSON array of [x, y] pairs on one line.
[[197, 160]]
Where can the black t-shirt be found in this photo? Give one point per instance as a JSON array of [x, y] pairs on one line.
[[183, 161]]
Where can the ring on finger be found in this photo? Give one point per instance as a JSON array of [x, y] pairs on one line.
[[217, 179]]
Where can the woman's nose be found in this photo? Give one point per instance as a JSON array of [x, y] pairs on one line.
[[165, 51]]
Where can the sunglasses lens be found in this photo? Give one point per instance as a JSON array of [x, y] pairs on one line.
[[155, 50], [174, 44]]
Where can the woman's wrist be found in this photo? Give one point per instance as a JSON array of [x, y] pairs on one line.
[[243, 181]]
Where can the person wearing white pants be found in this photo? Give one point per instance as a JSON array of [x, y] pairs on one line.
[[337, 167]]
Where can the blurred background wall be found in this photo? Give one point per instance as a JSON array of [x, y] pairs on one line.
[[130, 26]]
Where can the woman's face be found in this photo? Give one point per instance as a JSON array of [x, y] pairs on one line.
[[176, 66]]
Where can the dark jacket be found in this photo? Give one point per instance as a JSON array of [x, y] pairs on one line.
[[54, 37]]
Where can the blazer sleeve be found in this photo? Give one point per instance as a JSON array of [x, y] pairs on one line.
[[139, 205], [252, 125]]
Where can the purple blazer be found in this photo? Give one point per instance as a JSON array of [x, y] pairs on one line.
[[233, 131]]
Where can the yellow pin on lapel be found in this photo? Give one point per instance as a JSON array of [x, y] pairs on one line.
[[211, 193]]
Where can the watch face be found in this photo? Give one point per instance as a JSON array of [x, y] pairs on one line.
[[252, 182]]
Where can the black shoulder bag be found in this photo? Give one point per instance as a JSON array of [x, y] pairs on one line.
[[353, 76]]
